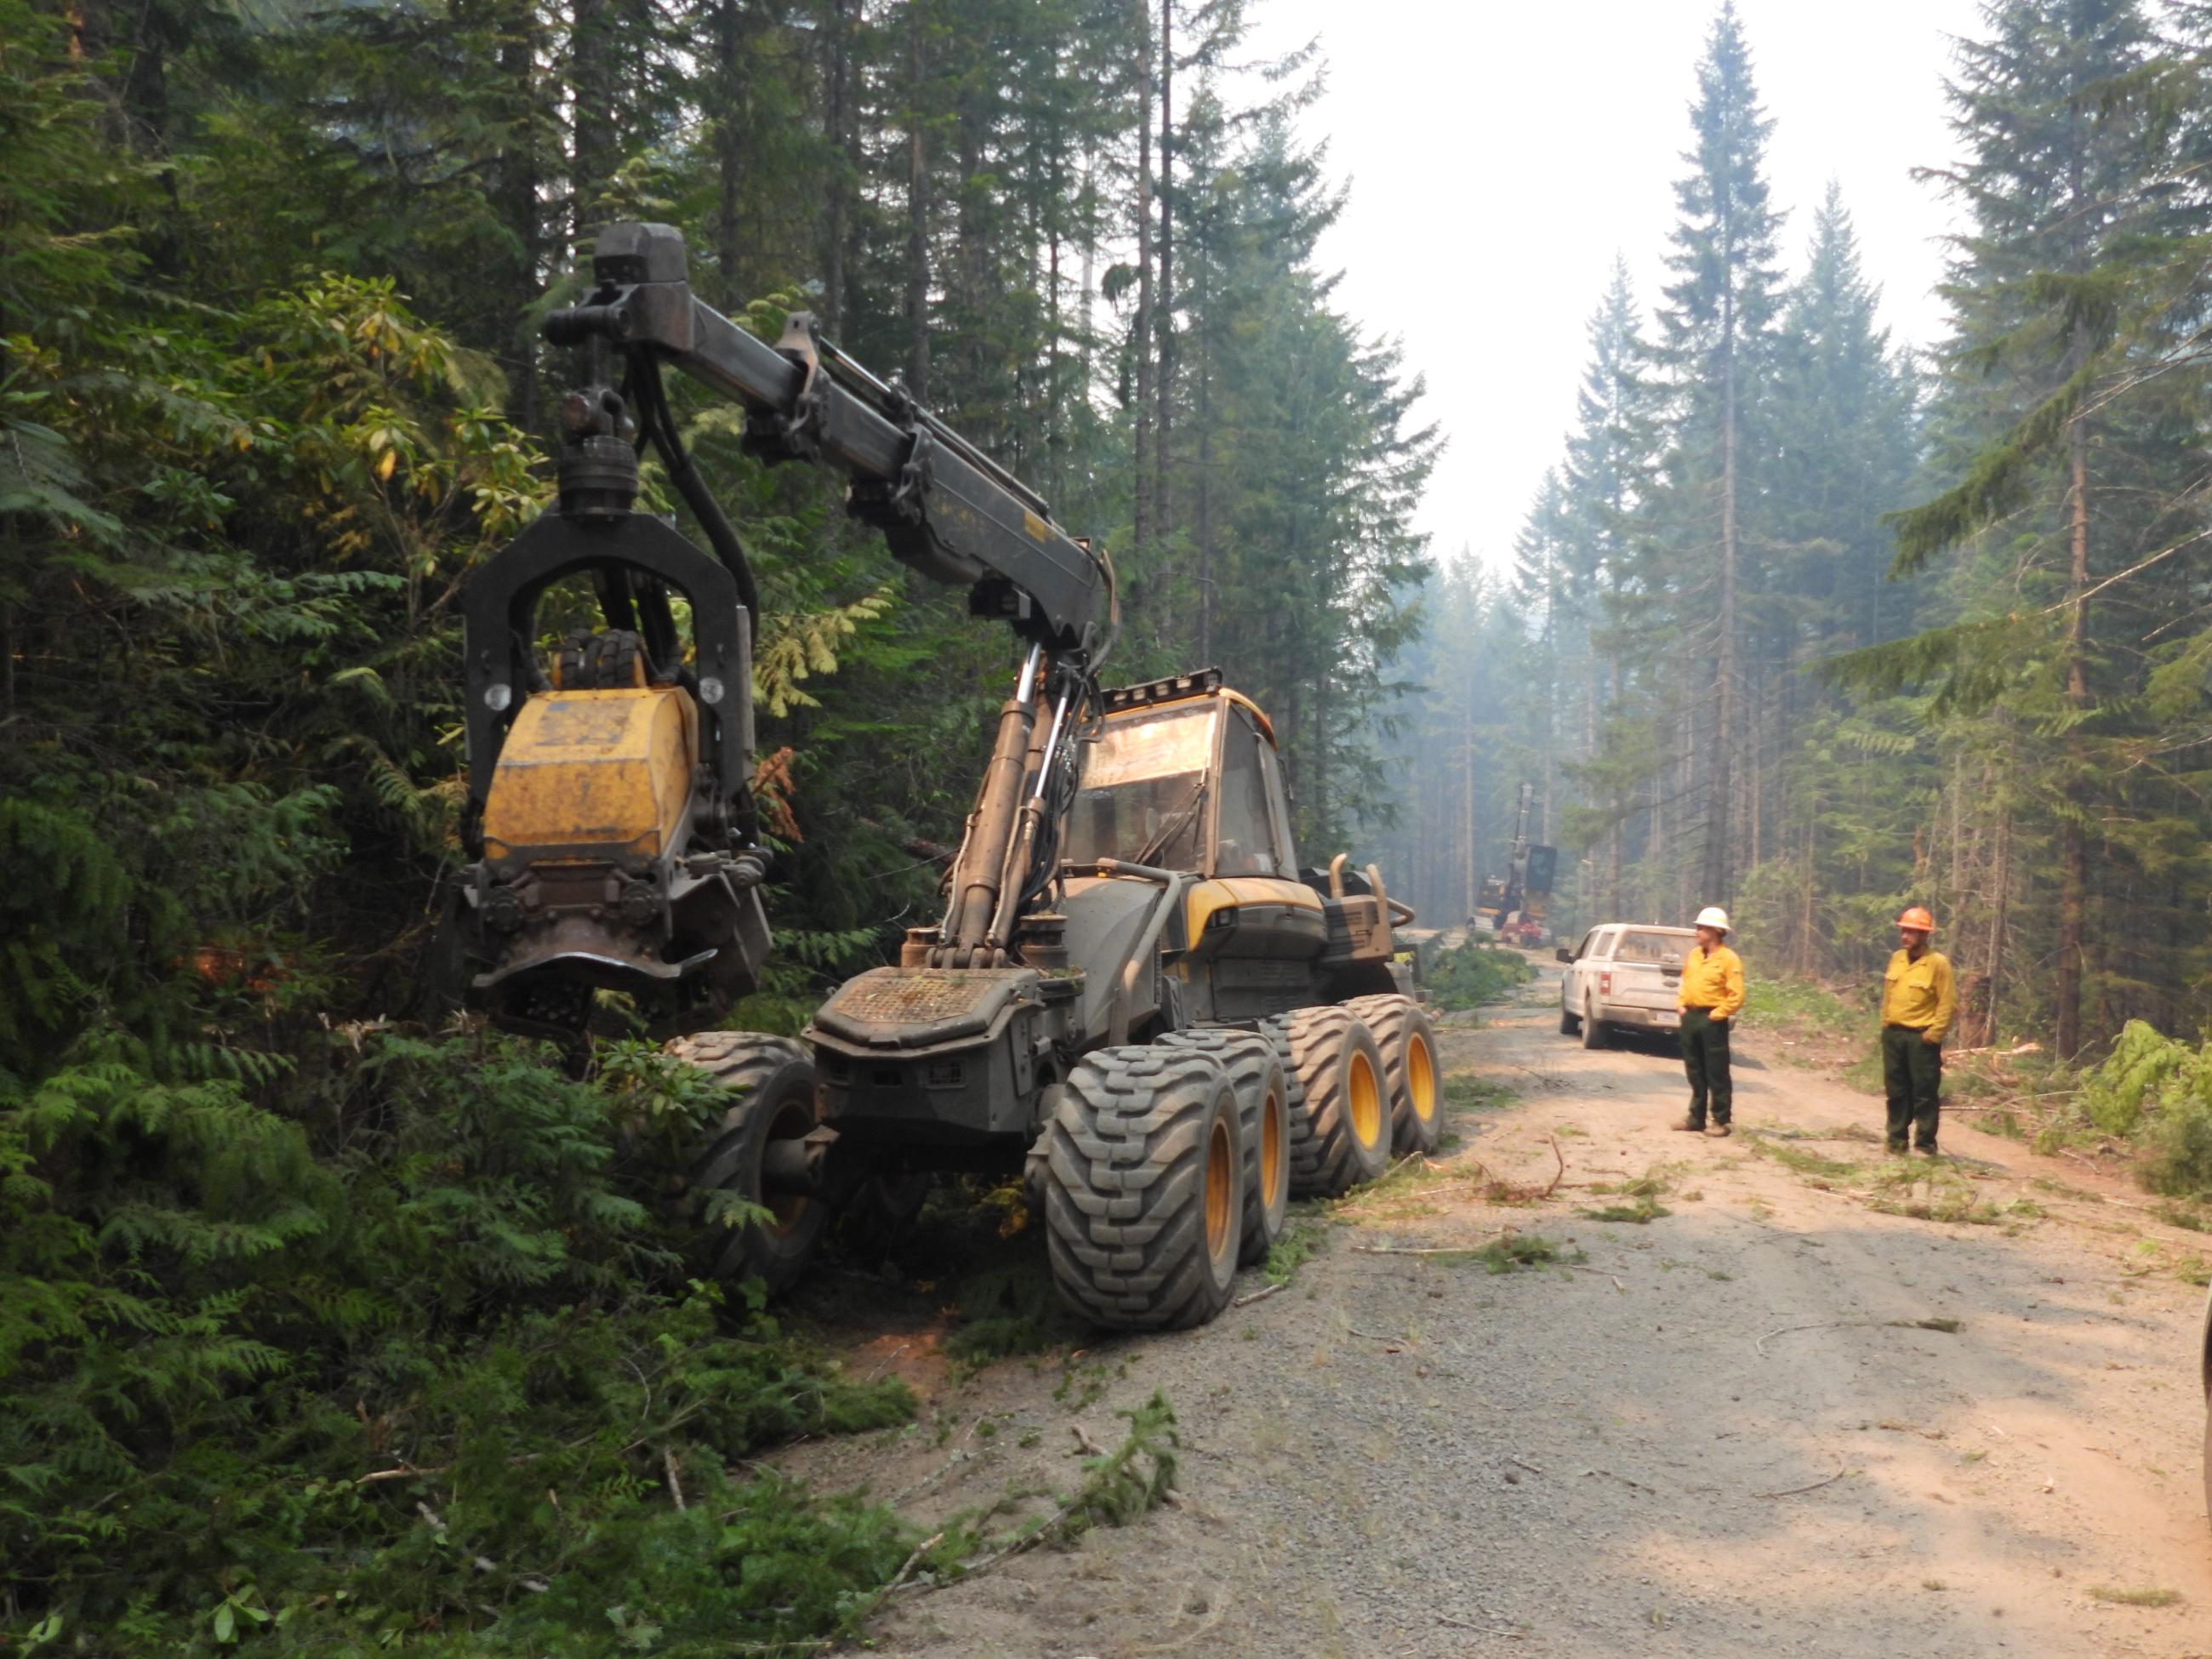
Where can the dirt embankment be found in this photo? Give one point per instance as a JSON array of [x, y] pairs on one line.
[[1804, 1405]]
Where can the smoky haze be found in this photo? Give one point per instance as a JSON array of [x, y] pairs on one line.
[[1499, 157]]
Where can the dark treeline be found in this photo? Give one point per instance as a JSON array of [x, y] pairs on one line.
[[270, 272], [1808, 627]]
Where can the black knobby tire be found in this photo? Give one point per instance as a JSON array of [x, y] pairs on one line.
[[1593, 1027], [1340, 1133], [1410, 1069], [1143, 1212], [1569, 1023], [770, 1081], [1263, 1124]]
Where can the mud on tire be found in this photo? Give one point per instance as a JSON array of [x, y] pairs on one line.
[[770, 1082], [1410, 1069], [1143, 1211], [1257, 1072], [1340, 1133]]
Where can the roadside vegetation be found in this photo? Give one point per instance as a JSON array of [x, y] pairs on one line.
[[1473, 974]]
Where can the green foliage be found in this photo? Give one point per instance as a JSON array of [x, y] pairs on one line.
[[281, 1375], [2157, 1091], [1474, 973]]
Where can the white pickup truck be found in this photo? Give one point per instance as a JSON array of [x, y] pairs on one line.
[[1624, 973]]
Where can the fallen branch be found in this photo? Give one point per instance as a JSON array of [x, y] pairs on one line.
[[1531, 1468], [1793, 1491], [1490, 1630], [1259, 1296]]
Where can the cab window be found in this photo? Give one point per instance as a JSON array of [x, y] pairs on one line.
[[1244, 843], [1143, 795]]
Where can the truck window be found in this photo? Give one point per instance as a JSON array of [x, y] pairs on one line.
[[1669, 950], [1143, 794], [1244, 843], [1605, 942], [1589, 940]]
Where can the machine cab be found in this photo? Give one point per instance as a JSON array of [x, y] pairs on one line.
[[1183, 775]]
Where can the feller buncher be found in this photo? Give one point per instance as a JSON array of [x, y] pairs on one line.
[[1136, 998]]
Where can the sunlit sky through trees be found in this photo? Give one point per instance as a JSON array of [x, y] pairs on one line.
[[1500, 156]]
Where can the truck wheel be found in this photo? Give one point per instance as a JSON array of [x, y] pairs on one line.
[[1410, 1072], [1263, 1124], [770, 1081], [1142, 1205], [1342, 1136], [1593, 1027], [1569, 1023]]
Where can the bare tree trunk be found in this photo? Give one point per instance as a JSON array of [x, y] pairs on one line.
[[593, 76], [917, 212], [730, 143], [836, 116], [1164, 313], [2001, 880], [2074, 856], [1719, 867], [1140, 524]]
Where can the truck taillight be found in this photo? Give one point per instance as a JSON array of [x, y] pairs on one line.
[[1605, 985]]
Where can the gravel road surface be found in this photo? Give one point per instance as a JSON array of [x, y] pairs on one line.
[[1722, 1433]]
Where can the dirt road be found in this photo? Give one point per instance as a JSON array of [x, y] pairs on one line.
[[1721, 1433]]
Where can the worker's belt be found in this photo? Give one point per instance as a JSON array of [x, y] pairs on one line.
[[1900, 1025]]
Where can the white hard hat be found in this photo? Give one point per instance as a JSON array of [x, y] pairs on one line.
[[1713, 916]]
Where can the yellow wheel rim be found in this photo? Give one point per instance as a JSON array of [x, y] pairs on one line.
[[1220, 1188], [1421, 1076], [1366, 1101], [1270, 1148]]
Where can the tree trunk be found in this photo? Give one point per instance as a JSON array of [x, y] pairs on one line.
[[2073, 856], [1163, 303], [1140, 518], [917, 210], [593, 76], [730, 143], [836, 100], [1719, 865]]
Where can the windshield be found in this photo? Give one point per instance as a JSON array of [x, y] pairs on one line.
[[1647, 945], [1143, 798]]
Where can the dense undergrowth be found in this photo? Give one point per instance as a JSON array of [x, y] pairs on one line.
[[1473, 974], [419, 1366]]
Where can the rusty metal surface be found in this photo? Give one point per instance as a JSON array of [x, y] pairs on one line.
[[913, 997]]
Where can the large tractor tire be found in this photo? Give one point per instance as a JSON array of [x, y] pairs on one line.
[[1263, 1123], [1340, 1134], [1143, 1208], [770, 1081], [1410, 1069]]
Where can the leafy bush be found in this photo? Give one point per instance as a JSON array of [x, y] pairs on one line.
[[2158, 1092], [1474, 974], [419, 1364]]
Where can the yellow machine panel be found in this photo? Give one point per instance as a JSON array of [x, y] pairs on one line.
[[1207, 896], [595, 771]]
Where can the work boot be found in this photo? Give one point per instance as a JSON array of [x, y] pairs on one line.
[[1695, 1126], [1897, 1149], [1927, 1148], [1722, 1131]]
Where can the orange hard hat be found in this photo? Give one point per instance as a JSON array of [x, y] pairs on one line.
[[1917, 919]]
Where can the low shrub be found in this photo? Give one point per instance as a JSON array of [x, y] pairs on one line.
[[1473, 974]]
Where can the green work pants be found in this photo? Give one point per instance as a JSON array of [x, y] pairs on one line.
[[1912, 1077], [1705, 1057]]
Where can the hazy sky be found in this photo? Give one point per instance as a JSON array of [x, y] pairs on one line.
[[1500, 154]]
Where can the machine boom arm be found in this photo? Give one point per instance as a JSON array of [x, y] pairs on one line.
[[943, 506]]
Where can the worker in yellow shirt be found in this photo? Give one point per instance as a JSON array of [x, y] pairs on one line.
[[1713, 992], [1919, 998]]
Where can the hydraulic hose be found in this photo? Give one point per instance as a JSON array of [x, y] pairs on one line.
[[660, 422]]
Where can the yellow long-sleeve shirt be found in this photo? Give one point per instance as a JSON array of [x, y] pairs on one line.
[[1921, 994], [1712, 979]]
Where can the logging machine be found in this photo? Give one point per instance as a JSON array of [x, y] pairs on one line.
[[1136, 998]]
